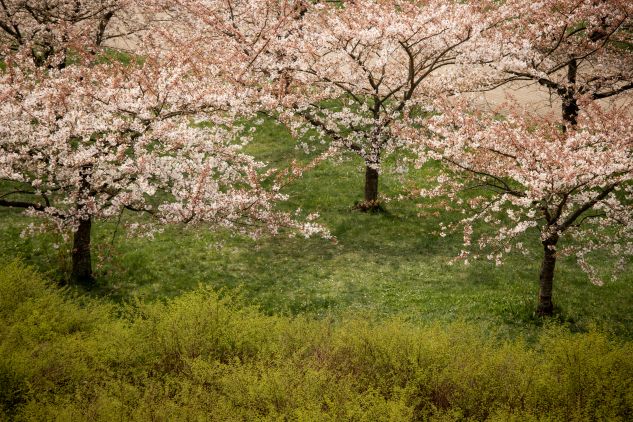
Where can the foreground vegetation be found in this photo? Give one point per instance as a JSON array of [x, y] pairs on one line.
[[198, 357]]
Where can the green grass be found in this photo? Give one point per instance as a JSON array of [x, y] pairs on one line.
[[382, 265]]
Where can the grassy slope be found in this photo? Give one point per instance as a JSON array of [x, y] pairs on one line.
[[389, 264]]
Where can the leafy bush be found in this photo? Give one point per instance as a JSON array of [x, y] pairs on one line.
[[202, 357]]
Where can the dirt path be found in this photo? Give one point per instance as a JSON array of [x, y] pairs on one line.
[[537, 99]]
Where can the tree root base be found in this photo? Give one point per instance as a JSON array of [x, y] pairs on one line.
[[373, 207]]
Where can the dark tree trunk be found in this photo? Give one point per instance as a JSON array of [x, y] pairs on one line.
[[82, 260], [570, 104], [81, 257], [546, 280], [570, 111], [371, 185]]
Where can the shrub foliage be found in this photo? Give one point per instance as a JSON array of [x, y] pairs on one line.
[[204, 357]]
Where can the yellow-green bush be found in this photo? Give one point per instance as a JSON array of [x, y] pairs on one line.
[[200, 357]]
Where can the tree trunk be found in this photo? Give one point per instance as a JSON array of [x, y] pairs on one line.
[[81, 257], [570, 111], [545, 305], [82, 260], [371, 185], [570, 104]]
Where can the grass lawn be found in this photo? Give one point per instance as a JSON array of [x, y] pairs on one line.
[[391, 264]]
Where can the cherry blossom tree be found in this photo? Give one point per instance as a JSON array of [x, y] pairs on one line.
[[84, 136], [574, 187], [572, 48], [346, 69], [350, 70]]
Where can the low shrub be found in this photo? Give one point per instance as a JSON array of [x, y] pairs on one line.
[[202, 357]]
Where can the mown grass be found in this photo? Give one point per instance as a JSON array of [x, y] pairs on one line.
[[200, 357], [382, 265]]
